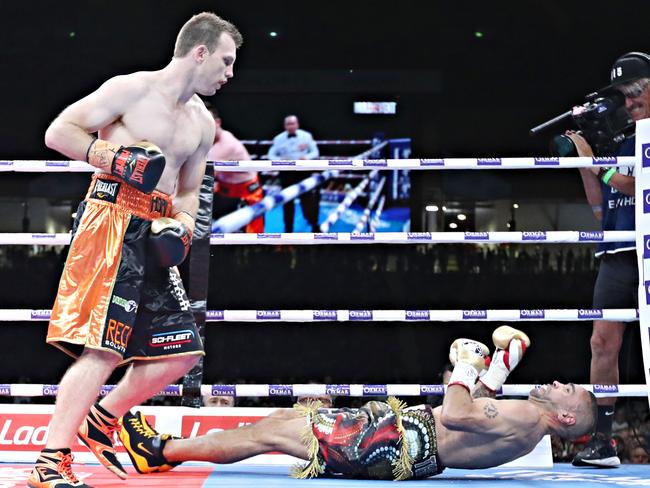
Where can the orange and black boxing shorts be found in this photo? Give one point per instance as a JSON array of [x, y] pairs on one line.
[[113, 296]]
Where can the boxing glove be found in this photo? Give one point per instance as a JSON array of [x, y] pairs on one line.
[[169, 241], [510, 346], [140, 165], [469, 358]]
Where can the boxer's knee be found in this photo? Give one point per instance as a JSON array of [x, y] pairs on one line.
[[98, 359], [606, 338]]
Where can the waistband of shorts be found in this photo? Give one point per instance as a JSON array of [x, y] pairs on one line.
[[237, 190], [111, 190]]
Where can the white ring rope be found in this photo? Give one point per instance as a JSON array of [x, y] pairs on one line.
[[371, 204], [331, 315], [350, 197], [323, 142], [348, 390], [240, 218], [308, 238], [358, 163]]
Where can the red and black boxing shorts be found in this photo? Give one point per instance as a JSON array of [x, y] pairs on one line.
[[229, 197], [113, 296], [368, 442]]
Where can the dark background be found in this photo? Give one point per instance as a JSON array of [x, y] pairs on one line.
[[458, 95]]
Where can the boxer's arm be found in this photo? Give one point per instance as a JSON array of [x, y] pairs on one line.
[[190, 178], [241, 152], [483, 415], [481, 391], [70, 132]]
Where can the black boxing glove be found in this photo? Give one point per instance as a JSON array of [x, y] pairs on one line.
[[140, 165], [169, 241]]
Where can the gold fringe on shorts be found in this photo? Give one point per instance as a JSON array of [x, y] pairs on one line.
[[313, 468], [402, 467]]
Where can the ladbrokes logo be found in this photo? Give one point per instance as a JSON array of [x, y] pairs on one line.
[[196, 425], [172, 340], [117, 335], [106, 190], [23, 432]]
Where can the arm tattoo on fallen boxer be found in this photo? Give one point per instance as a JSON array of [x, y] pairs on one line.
[[482, 391], [490, 410]]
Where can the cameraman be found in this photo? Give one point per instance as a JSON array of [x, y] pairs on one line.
[[610, 192]]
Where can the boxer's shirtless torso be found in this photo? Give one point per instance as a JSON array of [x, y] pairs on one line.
[[146, 111], [512, 428]]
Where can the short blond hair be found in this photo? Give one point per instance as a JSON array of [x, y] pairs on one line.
[[204, 29]]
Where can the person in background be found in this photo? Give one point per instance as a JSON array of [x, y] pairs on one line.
[[295, 143], [610, 192], [233, 189]]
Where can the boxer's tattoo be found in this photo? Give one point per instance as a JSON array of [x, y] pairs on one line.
[[490, 410], [481, 391], [100, 160], [101, 154]]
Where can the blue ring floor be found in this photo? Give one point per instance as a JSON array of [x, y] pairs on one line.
[[208, 476]]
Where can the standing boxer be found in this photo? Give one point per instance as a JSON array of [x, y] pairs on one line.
[[120, 297]]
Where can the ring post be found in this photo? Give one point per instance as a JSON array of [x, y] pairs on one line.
[[642, 192]]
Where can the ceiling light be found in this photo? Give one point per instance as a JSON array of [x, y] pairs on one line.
[[431, 208]]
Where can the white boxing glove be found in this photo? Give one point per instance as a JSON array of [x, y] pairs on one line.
[[469, 358], [510, 346]]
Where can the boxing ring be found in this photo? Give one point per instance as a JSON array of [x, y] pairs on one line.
[[23, 429]]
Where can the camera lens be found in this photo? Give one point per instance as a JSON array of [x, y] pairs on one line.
[[563, 146]]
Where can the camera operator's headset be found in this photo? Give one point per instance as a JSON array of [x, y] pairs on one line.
[[625, 59]]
